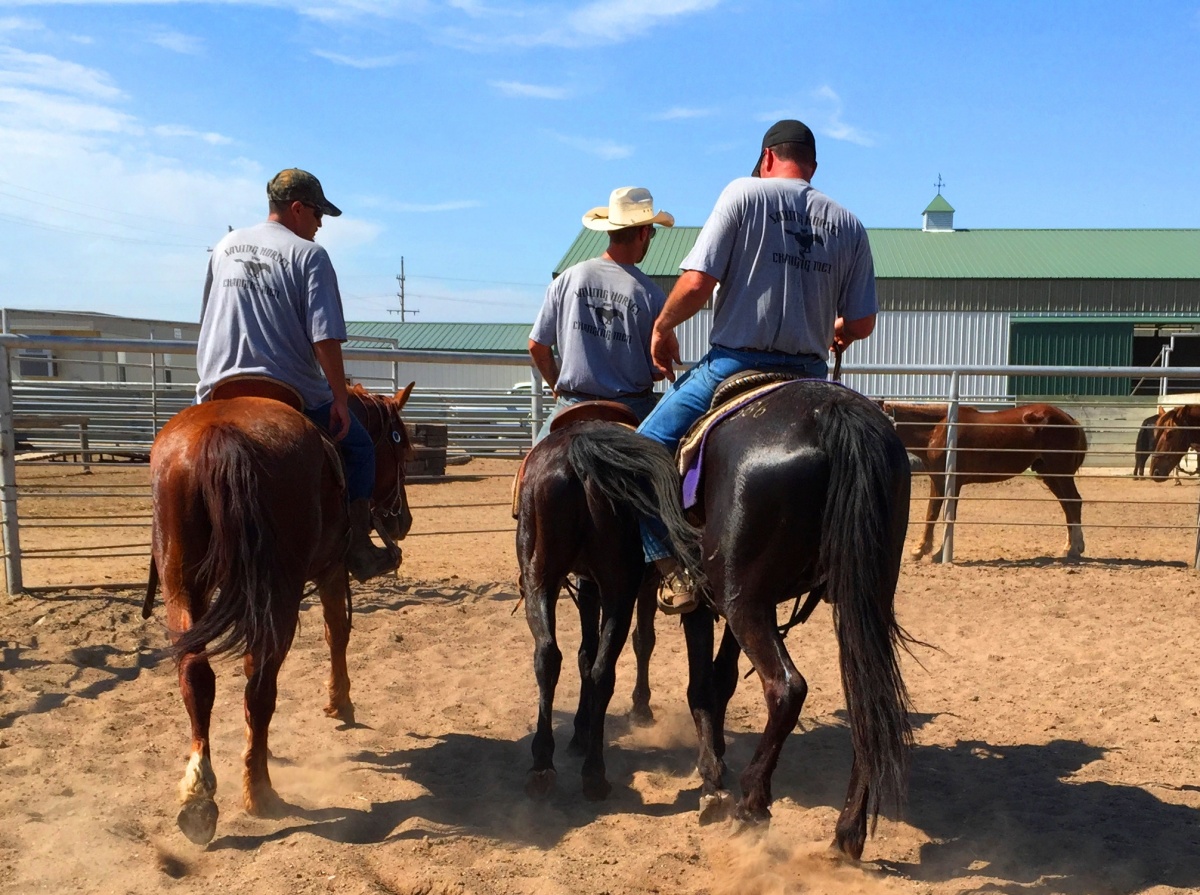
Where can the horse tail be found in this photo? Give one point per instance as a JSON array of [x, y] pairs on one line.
[[865, 518], [637, 472], [238, 559]]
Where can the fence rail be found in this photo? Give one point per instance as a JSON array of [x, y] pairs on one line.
[[108, 423]]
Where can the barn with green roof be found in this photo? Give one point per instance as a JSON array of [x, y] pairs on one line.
[[952, 296]]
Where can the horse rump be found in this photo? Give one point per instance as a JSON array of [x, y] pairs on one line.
[[240, 564]]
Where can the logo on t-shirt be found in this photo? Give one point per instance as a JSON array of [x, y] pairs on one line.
[[253, 267], [606, 315], [805, 239]]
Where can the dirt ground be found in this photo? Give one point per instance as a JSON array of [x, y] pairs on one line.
[[1056, 723]]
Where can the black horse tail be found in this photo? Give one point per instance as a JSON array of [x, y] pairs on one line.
[[862, 542], [238, 560], [637, 472]]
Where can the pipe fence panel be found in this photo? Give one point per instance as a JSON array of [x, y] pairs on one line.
[[74, 486]]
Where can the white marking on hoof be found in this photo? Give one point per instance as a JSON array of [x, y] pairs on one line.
[[199, 781]]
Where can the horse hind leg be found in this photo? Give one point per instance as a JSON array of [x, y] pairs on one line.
[[262, 687], [588, 600], [614, 631], [937, 485], [197, 817], [547, 664], [1063, 487], [643, 647]]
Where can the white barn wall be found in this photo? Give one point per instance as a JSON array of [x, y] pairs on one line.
[[923, 337], [376, 374]]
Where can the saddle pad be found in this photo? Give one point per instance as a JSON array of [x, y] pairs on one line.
[[691, 449]]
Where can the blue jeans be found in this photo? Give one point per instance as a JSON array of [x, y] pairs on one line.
[[690, 397], [640, 405], [358, 452]]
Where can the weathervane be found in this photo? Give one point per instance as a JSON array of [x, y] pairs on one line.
[[940, 183]]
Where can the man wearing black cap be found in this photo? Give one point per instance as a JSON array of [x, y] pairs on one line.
[[272, 309], [789, 273]]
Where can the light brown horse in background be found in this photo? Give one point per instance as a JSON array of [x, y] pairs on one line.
[[994, 445], [1178, 431], [249, 504]]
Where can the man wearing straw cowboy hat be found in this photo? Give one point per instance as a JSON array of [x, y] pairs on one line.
[[789, 273], [600, 313]]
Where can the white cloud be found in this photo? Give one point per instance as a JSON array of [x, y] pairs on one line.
[[364, 62], [418, 208], [605, 149], [176, 42], [532, 91], [597, 22], [174, 130], [36, 70], [680, 113], [824, 116]]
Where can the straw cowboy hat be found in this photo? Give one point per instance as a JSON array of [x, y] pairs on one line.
[[629, 206]]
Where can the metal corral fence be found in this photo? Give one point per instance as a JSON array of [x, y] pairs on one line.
[[93, 424]]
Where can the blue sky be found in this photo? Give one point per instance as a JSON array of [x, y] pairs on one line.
[[469, 136]]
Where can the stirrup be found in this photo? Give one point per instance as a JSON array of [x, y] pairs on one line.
[[676, 595]]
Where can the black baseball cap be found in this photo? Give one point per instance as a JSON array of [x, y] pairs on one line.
[[293, 184], [789, 130]]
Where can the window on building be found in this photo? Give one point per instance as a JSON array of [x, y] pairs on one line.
[[36, 363]]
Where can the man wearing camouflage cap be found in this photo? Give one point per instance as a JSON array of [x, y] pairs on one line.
[[272, 308]]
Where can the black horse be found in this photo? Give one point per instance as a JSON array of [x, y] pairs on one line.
[[582, 491], [806, 494], [1147, 434]]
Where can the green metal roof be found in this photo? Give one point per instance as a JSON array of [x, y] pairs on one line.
[[939, 203], [973, 254], [501, 338]]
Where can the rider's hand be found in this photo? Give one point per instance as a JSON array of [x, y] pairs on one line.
[[664, 351], [339, 419]]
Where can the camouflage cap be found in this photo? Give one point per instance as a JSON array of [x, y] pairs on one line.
[[293, 184]]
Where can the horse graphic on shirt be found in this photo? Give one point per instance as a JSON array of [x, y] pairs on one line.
[[253, 267], [605, 316], [805, 239]]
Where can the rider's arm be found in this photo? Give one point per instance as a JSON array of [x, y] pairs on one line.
[[692, 290], [329, 356], [847, 331], [543, 359]]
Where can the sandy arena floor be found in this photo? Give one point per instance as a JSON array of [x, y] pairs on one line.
[[1056, 728]]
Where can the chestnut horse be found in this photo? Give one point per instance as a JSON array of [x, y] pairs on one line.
[[583, 488], [1178, 432], [249, 504], [994, 445], [806, 493]]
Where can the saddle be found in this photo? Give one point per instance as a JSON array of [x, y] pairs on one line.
[[732, 396], [584, 411], [253, 385]]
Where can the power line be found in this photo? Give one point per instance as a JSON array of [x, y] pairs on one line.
[[59, 229], [74, 201]]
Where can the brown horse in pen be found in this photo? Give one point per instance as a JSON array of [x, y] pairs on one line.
[[249, 504], [1178, 431], [994, 445]]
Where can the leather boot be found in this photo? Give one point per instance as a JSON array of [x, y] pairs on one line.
[[363, 559], [676, 595]]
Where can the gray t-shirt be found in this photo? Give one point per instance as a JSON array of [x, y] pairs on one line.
[[268, 297], [600, 314], [789, 261]]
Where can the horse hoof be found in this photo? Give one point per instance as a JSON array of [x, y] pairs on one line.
[[344, 712], [596, 789], [266, 803], [641, 716], [539, 784], [715, 807], [752, 828], [198, 820]]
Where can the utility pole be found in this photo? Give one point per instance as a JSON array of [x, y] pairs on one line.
[[400, 279]]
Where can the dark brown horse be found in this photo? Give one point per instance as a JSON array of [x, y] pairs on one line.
[[994, 445], [1178, 431], [249, 504], [1143, 448], [806, 494], [583, 489]]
